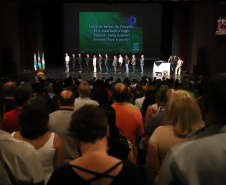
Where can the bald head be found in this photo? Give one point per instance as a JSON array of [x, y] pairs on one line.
[[119, 92], [9, 88], [66, 98], [84, 89]]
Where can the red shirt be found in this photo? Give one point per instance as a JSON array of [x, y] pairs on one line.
[[10, 121], [130, 123]]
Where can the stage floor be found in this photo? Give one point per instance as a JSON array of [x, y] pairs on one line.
[[58, 72]]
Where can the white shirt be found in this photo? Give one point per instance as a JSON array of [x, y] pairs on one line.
[[94, 61], [180, 62], [81, 101], [120, 60], [67, 58]]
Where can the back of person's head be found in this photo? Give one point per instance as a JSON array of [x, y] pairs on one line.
[[66, 98], [34, 118], [144, 89], [182, 111], [215, 97], [84, 89], [58, 86], [9, 88], [160, 97], [119, 92], [129, 97], [88, 124], [22, 94]]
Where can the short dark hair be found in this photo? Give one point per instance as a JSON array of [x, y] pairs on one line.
[[58, 86], [67, 101], [119, 94], [88, 124], [22, 94], [34, 118]]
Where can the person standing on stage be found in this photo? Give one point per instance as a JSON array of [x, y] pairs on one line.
[[106, 62], [115, 64], [127, 64], [172, 64], [179, 65], [100, 63], [73, 62], [87, 62], [142, 64], [94, 63], [67, 59], [133, 62], [80, 62], [120, 63]]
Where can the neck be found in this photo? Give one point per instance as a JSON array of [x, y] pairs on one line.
[[67, 107], [100, 146]]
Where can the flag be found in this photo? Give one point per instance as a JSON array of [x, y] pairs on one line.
[[43, 61], [35, 62], [39, 61]]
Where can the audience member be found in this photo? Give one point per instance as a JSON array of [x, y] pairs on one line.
[[8, 89], [139, 101], [57, 89], [89, 129], [129, 100], [182, 116], [59, 122], [200, 159], [83, 99], [128, 119], [34, 130], [10, 122], [160, 99], [118, 145]]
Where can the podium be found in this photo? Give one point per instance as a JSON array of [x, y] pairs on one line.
[[161, 67]]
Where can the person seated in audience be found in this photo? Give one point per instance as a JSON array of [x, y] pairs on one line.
[[8, 89], [201, 158], [89, 128], [160, 100], [10, 122], [129, 99], [34, 130], [83, 99], [182, 116]]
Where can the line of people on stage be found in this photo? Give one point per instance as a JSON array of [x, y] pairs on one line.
[[175, 64], [116, 62]]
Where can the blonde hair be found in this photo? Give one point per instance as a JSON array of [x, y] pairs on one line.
[[182, 112]]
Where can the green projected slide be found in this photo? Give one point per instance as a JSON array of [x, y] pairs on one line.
[[110, 32]]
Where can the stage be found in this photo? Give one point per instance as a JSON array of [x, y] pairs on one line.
[[58, 72]]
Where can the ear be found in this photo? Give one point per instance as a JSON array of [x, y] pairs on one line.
[[108, 132]]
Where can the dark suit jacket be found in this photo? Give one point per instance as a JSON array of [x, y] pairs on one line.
[[87, 60], [73, 60], [106, 61], [79, 60], [100, 60]]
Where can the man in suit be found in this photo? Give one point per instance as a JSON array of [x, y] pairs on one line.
[[172, 64], [142, 64], [106, 62], [73, 62], [115, 64], [133, 62], [87, 62], [80, 61], [100, 63]]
